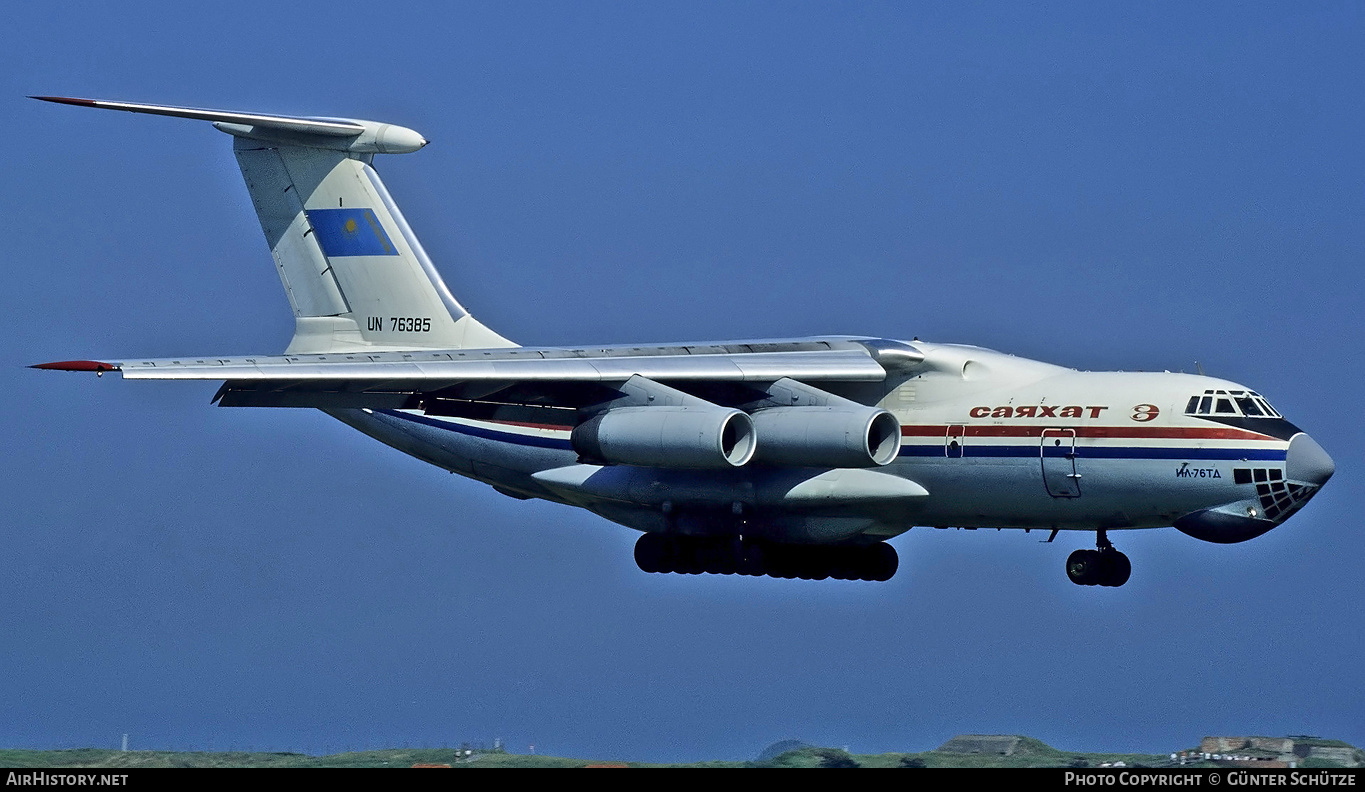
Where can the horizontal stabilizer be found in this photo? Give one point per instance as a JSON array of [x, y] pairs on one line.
[[346, 134], [308, 126]]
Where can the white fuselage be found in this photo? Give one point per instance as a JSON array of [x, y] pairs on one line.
[[993, 441]]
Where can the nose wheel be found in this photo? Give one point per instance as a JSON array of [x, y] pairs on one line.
[[1103, 566]]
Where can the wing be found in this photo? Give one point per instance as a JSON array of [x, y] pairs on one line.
[[562, 376]]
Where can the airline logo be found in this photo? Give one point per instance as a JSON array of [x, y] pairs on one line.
[[1037, 411], [350, 232], [1141, 413]]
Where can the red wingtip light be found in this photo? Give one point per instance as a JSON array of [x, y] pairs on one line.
[[77, 365]]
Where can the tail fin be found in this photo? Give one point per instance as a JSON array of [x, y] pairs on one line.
[[356, 276]]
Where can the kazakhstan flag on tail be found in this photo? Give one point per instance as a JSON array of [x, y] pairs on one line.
[[350, 232]]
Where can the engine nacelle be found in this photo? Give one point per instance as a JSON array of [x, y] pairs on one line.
[[697, 437], [835, 436]]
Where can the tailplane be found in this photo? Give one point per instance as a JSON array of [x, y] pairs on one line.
[[356, 276]]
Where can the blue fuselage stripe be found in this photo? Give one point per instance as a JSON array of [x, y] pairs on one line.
[[486, 434]]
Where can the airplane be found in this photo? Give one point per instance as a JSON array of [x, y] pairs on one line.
[[790, 458]]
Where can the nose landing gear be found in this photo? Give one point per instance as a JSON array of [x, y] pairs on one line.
[[1103, 566]]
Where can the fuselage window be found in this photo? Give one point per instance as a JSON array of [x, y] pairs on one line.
[[1204, 405], [1225, 407], [1249, 407]]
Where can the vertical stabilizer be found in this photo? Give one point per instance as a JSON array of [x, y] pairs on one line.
[[356, 276], [355, 273]]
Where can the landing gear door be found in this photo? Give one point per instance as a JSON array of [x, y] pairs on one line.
[[1058, 453], [952, 443]]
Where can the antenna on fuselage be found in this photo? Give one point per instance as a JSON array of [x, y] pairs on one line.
[[1199, 369]]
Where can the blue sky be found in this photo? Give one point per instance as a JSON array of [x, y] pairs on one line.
[[1096, 185]]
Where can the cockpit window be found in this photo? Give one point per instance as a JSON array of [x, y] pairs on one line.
[[1266, 410], [1235, 402]]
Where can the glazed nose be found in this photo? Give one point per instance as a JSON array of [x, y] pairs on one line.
[[1306, 461]]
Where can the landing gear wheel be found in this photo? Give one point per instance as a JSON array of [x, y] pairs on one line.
[[844, 563], [729, 555], [714, 555], [752, 561], [884, 561], [1117, 569], [650, 552], [1107, 567], [1084, 567]]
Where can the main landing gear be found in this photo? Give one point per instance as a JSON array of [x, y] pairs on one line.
[[1104, 566], [733, 555]]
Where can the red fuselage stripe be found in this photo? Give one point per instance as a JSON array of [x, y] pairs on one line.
[[1126, 432]]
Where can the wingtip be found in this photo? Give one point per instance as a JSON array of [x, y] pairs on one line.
[[77, 365], [71, 100]]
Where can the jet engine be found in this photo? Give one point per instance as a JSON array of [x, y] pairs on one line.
[[697, 437], [834, 436]]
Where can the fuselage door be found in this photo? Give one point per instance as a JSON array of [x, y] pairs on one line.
[[952, 443], [1058, 452]]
